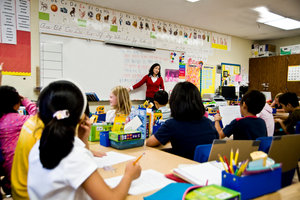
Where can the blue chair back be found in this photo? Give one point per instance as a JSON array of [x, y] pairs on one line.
[[202, 152], [297, 130], [265, 143]]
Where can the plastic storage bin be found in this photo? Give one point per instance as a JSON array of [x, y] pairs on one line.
[[127, 144]]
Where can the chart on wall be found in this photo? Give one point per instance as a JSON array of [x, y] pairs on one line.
[[294, 73], [231, 74], [15, 47], [208, 78]]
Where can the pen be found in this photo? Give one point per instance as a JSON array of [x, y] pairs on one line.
[[236, 157], [138, 158], [222, 161]]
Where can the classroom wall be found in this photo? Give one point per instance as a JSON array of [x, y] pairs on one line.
[[281, 42], [239, 54]]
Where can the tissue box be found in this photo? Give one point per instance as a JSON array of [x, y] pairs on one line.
[[255, 185]]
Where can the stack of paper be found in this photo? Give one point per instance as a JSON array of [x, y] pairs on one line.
[[201, 174], [112, 158]]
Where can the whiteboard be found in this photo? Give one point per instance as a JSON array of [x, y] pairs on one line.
[[98, 67]]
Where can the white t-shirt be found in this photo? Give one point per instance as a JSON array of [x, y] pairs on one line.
[[110, 116], [64, 181]]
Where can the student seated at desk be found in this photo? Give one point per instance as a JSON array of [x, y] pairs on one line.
[[161, 99], [188, 128], [120, 102], [290, 104], [60, 165], [248, 127], [275, 104], [11, 123], [267, 116]]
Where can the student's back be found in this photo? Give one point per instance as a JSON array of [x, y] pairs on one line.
[[186, 135], [246, 128], [189, 127]]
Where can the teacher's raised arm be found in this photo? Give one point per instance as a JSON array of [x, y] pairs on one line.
[[153, 80]]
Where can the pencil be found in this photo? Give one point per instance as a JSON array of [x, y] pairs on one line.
[[137, 160], [231, 160], [236, 157], [222, 161]]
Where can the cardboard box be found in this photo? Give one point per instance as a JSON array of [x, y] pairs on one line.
[[255, 185], [96, 129], [266, 47]]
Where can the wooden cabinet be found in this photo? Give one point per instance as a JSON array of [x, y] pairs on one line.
[[270, 74]]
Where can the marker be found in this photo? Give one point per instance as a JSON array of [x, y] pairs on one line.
[[137, 160]]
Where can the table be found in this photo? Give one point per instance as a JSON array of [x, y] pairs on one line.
[[153, 159]]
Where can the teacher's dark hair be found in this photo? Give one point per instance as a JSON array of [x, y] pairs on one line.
[[58, 135], [151, 70], [186, 103]]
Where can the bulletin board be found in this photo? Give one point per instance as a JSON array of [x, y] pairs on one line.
[[208, 78], [15, 46], [231, 73]]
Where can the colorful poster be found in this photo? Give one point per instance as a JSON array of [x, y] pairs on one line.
[[171, 75], [231, 74], [193, 72], [208, 78]]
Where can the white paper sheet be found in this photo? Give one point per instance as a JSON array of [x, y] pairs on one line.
[[148, 181], [229, 113], [209, 172], [133, 124], [112, 158]]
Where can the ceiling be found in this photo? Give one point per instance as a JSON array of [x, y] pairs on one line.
[[231, 17]]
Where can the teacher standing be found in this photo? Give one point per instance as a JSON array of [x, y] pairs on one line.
[[153, 80]]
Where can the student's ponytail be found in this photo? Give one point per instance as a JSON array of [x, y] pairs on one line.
[[56, 142], [61, 105]]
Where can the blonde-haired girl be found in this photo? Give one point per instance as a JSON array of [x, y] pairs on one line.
[[120, 102]]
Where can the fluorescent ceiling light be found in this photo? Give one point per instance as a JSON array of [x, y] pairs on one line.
[[192, 1], [272, 19]]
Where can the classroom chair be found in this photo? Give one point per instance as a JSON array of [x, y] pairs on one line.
[[202, 152], [286, 150], [265, 143]]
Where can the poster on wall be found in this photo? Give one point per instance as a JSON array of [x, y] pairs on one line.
[[231, 74], [208, 78], [193, 72], [220, 41], [171, 75], [15, 46]]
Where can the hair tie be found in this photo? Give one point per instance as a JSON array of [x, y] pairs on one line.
[[61, 114]]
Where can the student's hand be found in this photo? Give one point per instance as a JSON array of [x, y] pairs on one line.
[[133, 171], [128, 89], [84, 129], [278, 120], [98, 153], [217, 117]]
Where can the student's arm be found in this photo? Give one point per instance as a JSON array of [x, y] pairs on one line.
[[152, 141], [84, 130], [280, 121], [217, 119], [97, 189]]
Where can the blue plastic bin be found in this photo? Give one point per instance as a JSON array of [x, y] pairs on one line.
[[255, 185], [104, 138]]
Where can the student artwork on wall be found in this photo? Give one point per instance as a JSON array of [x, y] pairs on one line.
[[15, 37], [193, 72], [171, 75], [220, 41], [71, 18]]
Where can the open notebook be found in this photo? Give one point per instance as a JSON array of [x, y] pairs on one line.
[[201, 174]]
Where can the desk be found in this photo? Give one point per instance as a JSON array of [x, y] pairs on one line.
[[288, 193], [153, 159]]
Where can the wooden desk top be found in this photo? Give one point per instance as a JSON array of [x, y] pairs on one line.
[[153, 159], [164, 162]]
